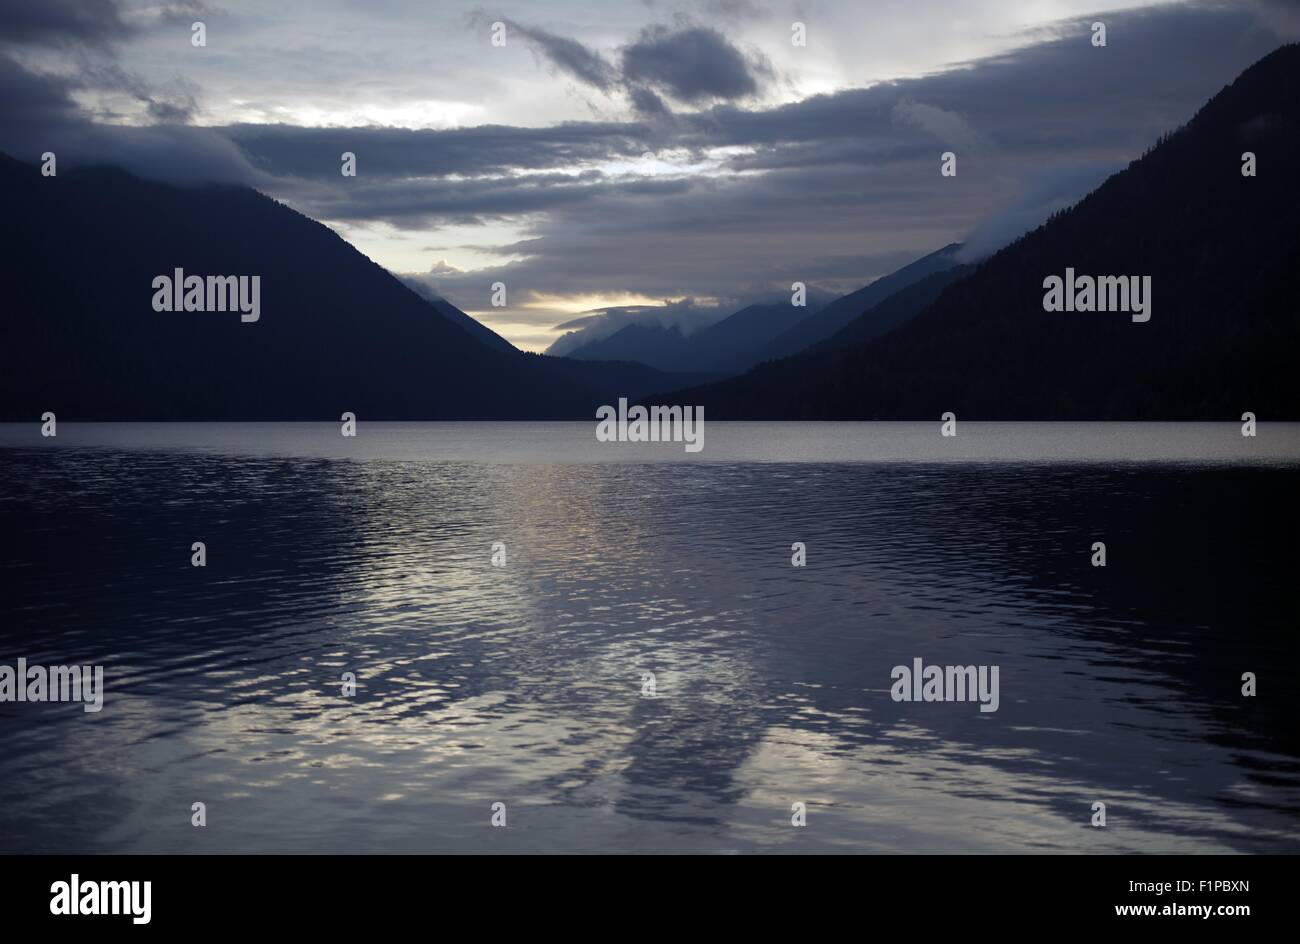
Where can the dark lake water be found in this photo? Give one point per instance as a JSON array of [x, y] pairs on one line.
[[523, 684]]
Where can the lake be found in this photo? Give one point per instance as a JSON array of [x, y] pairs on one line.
[[526, 684]]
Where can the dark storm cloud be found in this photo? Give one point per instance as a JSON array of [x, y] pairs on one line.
[[1058, 101], [569, 56], [692, 64], [177, 104], [38, 113], [688, 63], [60, 22], [410, 204], [1054, 100], [31, 103], [646, 102], [399, 152], [740, 239]]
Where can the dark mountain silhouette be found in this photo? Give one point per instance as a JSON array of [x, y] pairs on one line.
[[337, 332], [758, 333], [847, 309], [732, 344], [658, 346], [475, 328], [614, 379], [724, 347], [1222, 251], [894, 310]]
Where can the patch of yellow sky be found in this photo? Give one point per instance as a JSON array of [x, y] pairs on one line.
[[465, 248], [552, 309]]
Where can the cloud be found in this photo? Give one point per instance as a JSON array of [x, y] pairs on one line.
[[690, 64], [32, 104], [1281, 16], [693, 64], [646, 102], [443, 267], [405, 154], [569, 56], [1045, 194], [947, 127], [176, 104], [39, 112], [48, 111], [62, 22], [734, 9], [686, 315]]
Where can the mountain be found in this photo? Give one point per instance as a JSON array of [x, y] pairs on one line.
[[731, 345], [759, 333], [476, 329], [1222, 251], [614, 379], [894, 310], [846, 309], [725, 347], [661, 347], [336, 332]]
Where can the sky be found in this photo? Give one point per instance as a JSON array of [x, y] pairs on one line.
[[627, 159]]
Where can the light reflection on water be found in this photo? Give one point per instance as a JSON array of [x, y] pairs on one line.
[[522, 684]]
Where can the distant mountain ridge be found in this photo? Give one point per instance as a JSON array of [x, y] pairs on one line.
[[1222, 250], [732, 344], [756, 333], [725, 347], [658, 346], [836, 316]]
